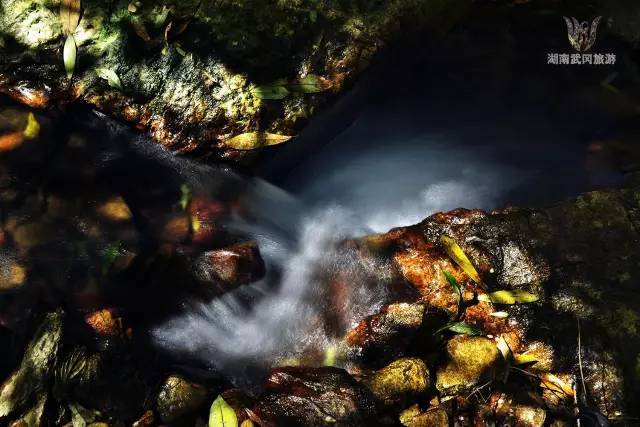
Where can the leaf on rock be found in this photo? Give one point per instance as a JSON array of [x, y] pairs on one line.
[[556, 384], [456, 287], [110, 76], [461, 328], [111, 252], [69, 55], [500, 314], [308, 84], [32, 129], [457, 254], [70, 15], [524, 359], [273, 92], [454, 283], [330, 356], [221, 414], [508, 297], [185, 196], [253, 140]]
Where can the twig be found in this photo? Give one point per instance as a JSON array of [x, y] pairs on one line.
[[584, 388]]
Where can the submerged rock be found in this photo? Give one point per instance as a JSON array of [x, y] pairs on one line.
[[386, 335], [415, 417], [399, 380], [222, 270], [298, 396], [31, 382], [470, 362], [179, 397]]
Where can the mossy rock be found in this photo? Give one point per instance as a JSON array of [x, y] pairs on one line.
[[179, 397], [415, 417], [400, 379], [470, 362]]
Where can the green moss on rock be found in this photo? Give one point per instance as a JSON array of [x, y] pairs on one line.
[[401, 378], [470, 361]]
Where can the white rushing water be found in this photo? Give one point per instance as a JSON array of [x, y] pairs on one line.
[[287, 312], [290, 304]]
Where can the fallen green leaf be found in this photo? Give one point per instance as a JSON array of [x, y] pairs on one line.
[[180, 50], [69, 53], [330, 355], [111, 252], [32, 129], [185, 196], [508, 297], [456, 287], [110, 76], [500, 314], [221, 414], [273, 92], [457, 254], [460, 328], [307, 84], [253, 140], [454, 283]]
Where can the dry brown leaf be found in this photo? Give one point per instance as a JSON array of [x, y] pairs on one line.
[[11, 140], [556, 384], [70, 15], [253, 140]]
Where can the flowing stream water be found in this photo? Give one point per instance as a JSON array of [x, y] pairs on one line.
[[423, 140]]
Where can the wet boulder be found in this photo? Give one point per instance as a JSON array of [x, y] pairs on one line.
[[202, 77], [299, 396], [224, 269], [179, 397], [30, 383], [386, 335], [470, 362], [415, 417], [400, 380], [13, 273]]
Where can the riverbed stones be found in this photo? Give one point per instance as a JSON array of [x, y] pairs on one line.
[[224, 269], [301, 396], [29, 383], [470, 362], [178, 397], [415, 417], [400, 379], [385, 335]]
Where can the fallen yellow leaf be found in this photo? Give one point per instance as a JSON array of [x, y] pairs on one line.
[[253, 140], [556, 384], [457, 254], [32, 129]]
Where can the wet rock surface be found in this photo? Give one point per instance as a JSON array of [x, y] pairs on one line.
[[471, 361], [120, 254], [399, 380], [178, 397], [314, 397], [197, 74]]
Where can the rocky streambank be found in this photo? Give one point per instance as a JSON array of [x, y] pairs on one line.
[[512, 317]]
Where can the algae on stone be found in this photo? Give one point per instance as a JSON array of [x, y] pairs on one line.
[[470, 362], [401, 378]]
